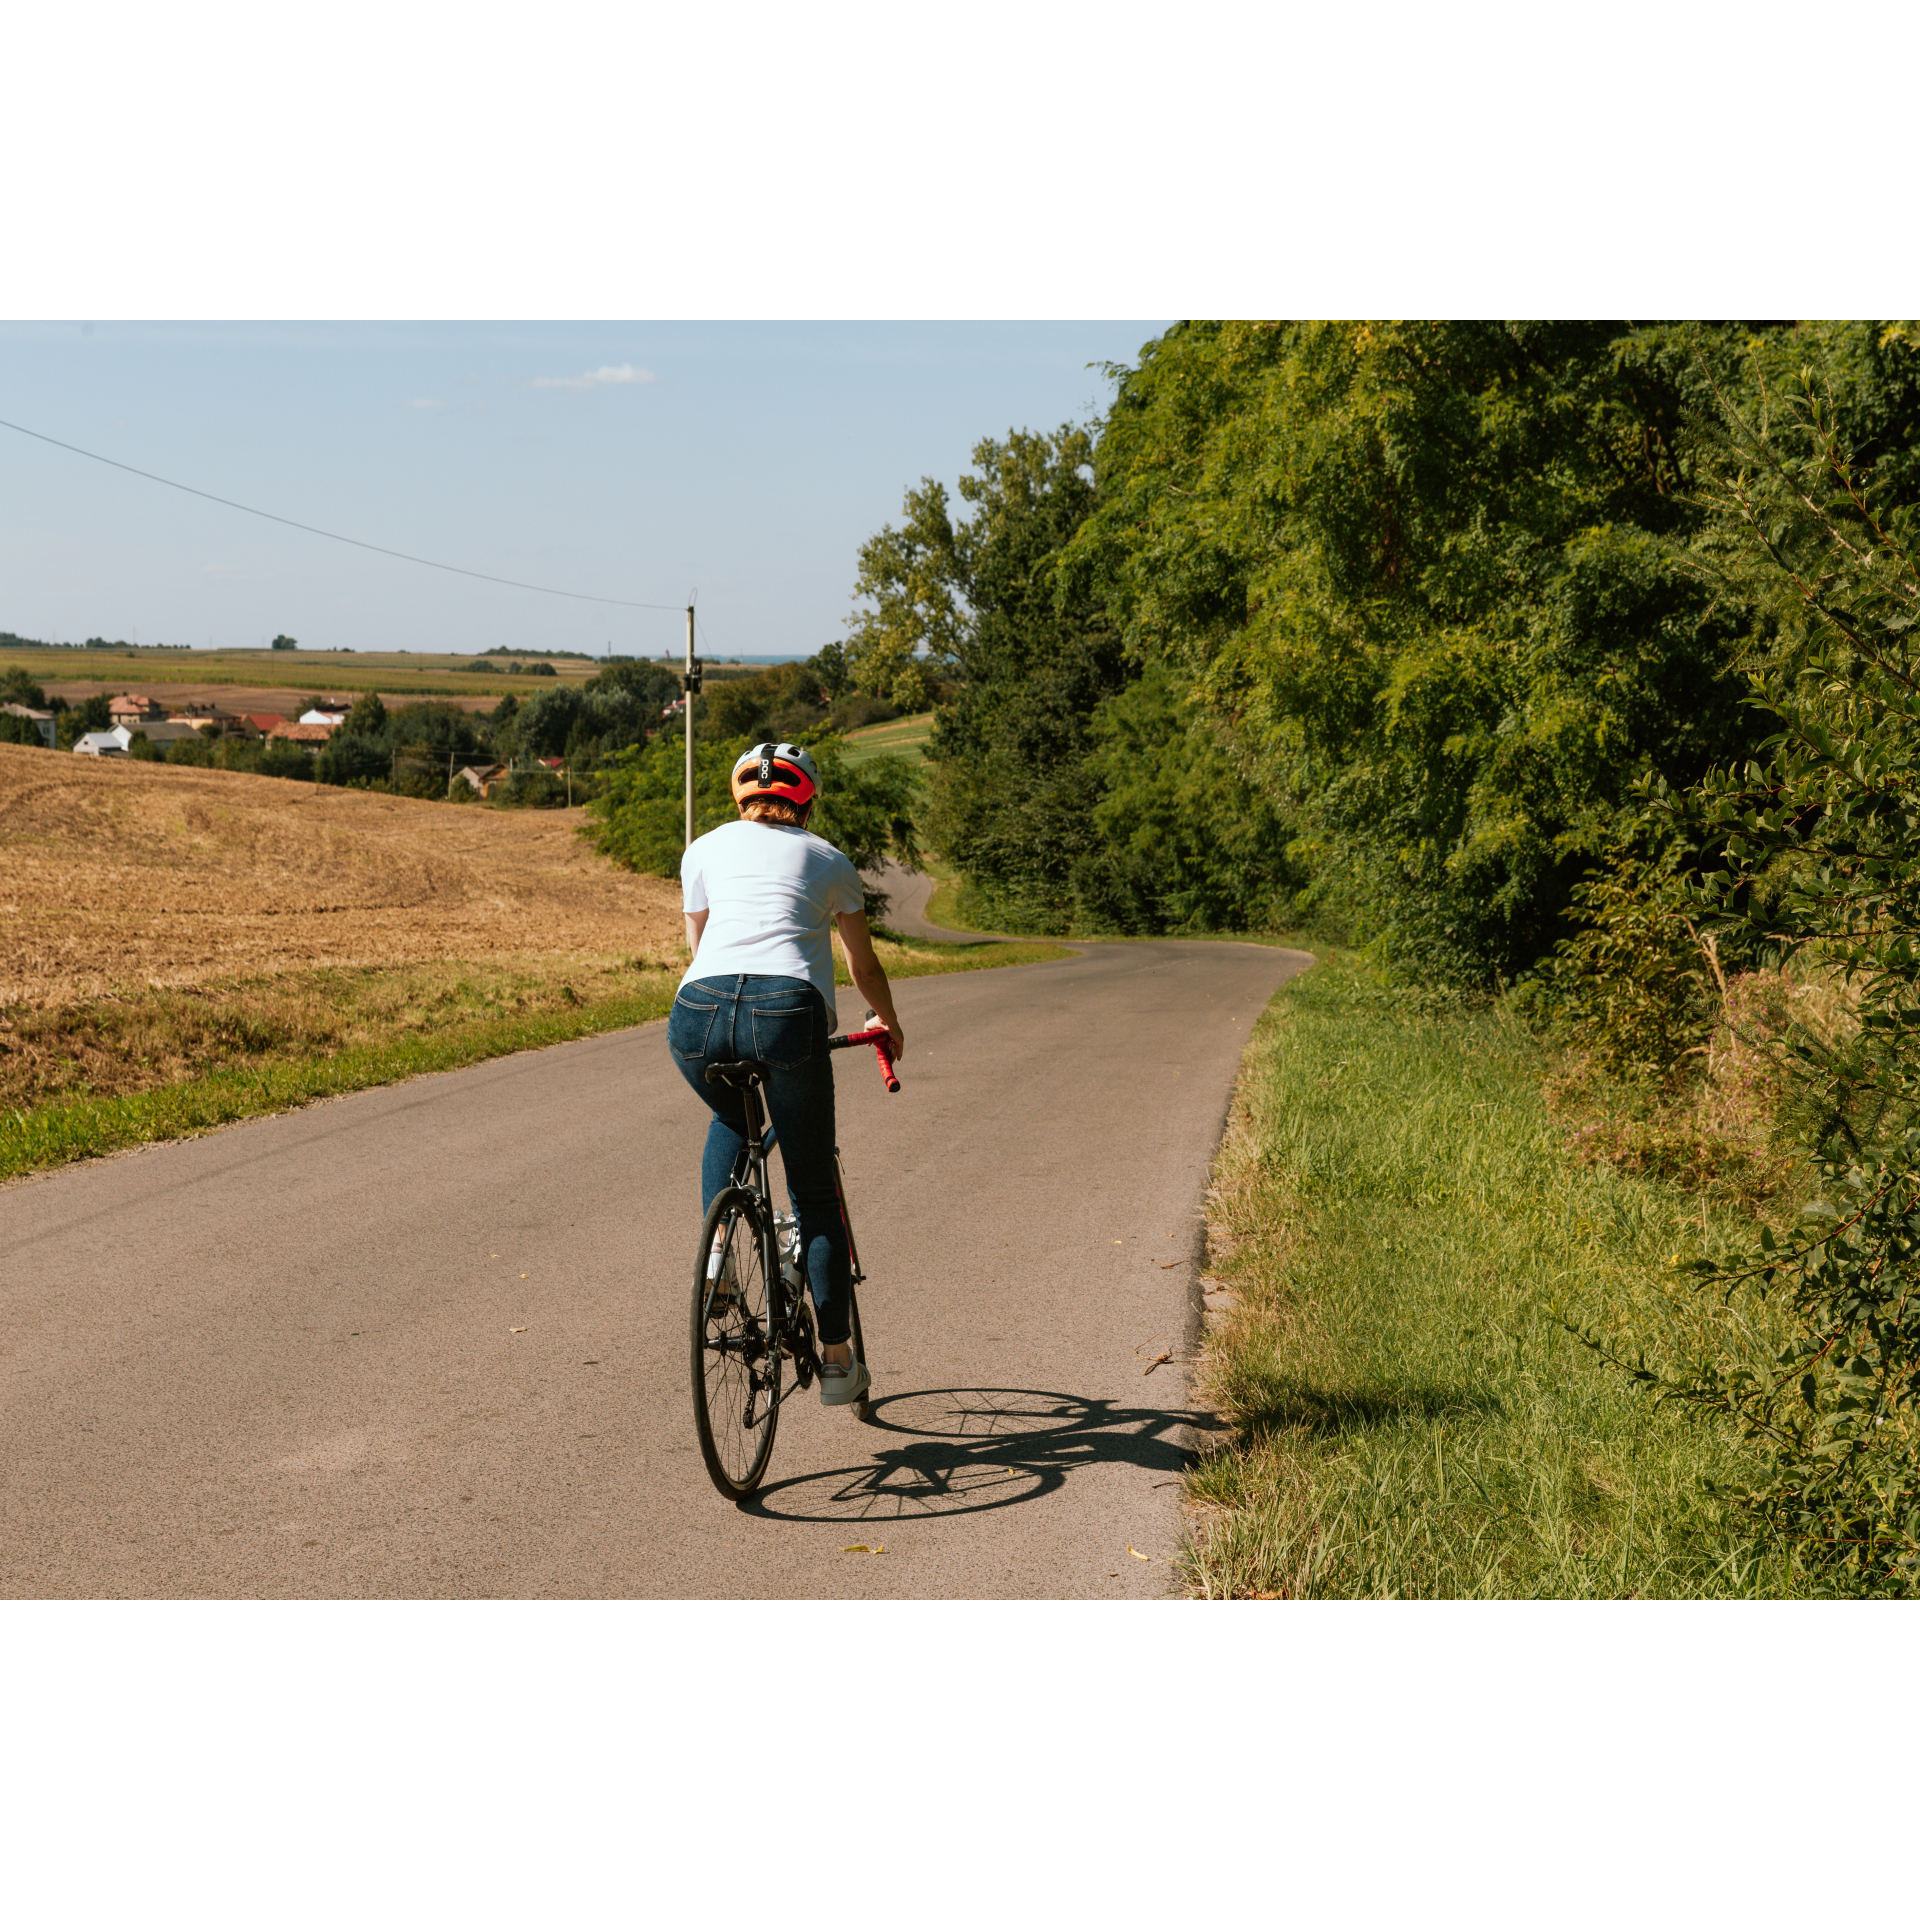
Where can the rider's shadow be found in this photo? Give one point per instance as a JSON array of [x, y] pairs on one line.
[[959, 1451]]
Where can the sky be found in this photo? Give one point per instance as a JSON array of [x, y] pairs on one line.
[[738, 462]]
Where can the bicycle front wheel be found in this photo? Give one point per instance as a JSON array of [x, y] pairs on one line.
[[736, 1359]]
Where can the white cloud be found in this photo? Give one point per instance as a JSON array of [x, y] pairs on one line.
[[426, 403], [627, 376]]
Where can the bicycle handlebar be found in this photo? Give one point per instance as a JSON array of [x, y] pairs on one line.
[[882, 1044]]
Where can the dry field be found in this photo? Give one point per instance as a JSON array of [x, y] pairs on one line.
[[181, 948], [117, 876]]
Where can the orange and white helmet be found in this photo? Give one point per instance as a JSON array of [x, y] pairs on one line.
[[776, 772]]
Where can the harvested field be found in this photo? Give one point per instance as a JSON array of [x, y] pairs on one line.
[[118, 876], [181, 948]]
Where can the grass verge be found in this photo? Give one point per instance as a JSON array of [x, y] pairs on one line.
[[94, 1077], [1403, 1232]]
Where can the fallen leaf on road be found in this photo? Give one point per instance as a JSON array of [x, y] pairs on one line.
[[1173, 1263], [1117, 1243], [516, 1329], [1138, 1555], [863, 1549], [1151, 1364]]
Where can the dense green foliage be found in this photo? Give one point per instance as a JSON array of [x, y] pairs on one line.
[[638, 817], [1818, 859], [1580, 654]]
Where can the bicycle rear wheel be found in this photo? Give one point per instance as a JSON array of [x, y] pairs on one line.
[[736, 1360]]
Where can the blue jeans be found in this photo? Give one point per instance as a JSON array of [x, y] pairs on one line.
[[782, 1024]]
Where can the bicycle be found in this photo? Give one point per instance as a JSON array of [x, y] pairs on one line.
[[751, 1310]]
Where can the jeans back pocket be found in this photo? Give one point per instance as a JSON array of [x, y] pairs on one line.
[[783, 1034], [690, 1027]]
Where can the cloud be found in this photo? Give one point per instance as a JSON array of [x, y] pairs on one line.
[[627, 376], [426, 403]]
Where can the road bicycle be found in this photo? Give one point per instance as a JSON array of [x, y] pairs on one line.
[[752, 1316]]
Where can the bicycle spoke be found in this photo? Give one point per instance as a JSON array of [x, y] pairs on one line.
[[736, 1368]]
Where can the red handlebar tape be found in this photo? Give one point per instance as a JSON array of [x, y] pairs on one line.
[[882, 1044]]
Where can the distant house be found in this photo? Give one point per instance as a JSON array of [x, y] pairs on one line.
[[482, 779], [134, 710], [203, 717], [300, 734], [326, 713], [112, 744], [44, 721], [265, 724], [163, 733], [554, 765]]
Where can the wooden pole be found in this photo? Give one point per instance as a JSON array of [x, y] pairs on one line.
[[690, 682]]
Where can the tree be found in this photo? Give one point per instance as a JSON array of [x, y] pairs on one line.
[[367, 715], [1818, 840], [285, 643], [19, 688], [16, 731], [92, 715], [1434, 581], [1012, 784], [910, 576]]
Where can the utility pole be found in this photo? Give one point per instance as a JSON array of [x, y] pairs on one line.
[[690, 681]]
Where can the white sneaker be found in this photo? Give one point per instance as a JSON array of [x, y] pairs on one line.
[[842, 1386]]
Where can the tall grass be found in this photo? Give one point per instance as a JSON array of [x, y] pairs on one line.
[[1404, 1235]]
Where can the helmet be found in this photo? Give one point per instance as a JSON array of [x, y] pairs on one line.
[[770, 772]]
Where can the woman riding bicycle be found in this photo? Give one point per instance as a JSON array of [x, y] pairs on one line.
[[761, 896]]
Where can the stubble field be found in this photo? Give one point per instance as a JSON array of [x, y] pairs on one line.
[[116, 875], [181, 947]]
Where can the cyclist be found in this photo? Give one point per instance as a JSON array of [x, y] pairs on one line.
[[761, 895]]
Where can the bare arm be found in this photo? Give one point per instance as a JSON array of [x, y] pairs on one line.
[[870, 976], [696, 926]]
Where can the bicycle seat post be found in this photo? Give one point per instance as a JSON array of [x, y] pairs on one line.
[[744, 1077]]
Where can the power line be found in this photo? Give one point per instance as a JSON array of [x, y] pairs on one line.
[[346, 539]]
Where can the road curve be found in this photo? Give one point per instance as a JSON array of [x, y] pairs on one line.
[[430, 1340], [907, 897]]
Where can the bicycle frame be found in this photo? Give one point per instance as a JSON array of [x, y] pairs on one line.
[[789, 1326]]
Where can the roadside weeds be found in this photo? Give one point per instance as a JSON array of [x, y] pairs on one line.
[[1398, 1231]]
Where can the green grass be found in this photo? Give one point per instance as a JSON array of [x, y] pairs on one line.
[[82, 1127], [905, 958], [1403, 1233], [297, 1038], [905, 739]]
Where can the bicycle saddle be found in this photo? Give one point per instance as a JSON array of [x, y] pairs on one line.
[[734, 1073]]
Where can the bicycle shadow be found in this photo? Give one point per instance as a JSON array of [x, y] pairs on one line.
[[957, 1451]]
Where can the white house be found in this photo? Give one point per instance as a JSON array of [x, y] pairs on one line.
[[44, 721], [114, 742], [322, 717]]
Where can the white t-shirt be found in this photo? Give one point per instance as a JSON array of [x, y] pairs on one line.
[[771, 893]]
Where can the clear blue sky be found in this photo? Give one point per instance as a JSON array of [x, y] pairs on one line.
[[746, 460]]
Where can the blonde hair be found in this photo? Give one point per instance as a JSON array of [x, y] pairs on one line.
[[773, 812]]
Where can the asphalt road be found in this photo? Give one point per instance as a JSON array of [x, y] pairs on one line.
[[283, 1359]]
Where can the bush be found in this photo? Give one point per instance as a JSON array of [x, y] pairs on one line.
[[1822, 859], [530, 787], [638, 819], [18, 732]]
